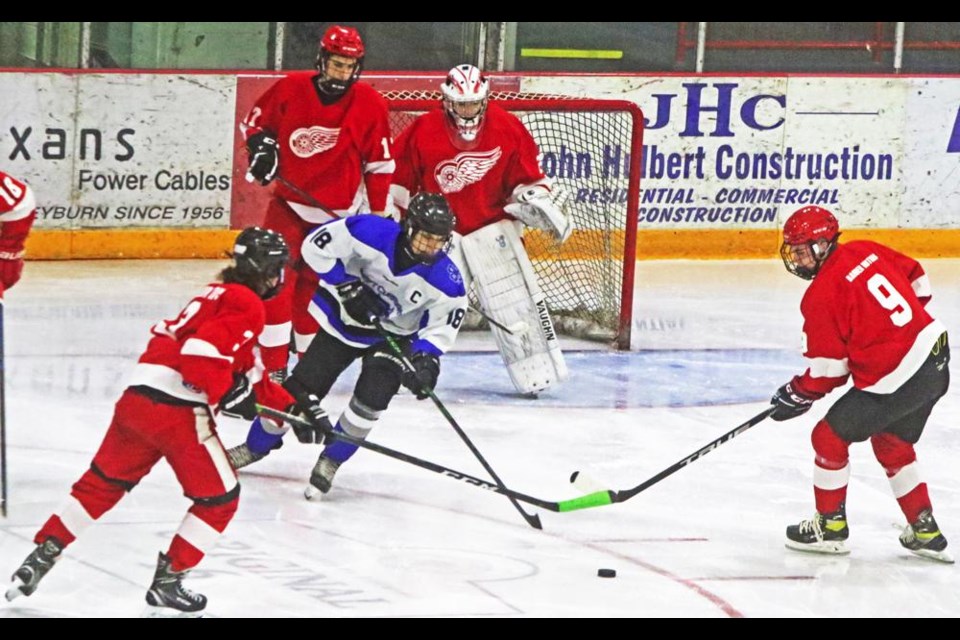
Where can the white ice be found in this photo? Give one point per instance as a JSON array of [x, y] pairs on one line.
[[393, 540]]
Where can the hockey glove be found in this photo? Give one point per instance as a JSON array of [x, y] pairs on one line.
[[308, 407], [264, 157], [361, 303], [423, 378], [789, 402], [239, 401]]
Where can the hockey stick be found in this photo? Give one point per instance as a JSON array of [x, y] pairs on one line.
[[517, 327], [300, 192], [3, 425], [598, 499], [623, 495], [532, 519]]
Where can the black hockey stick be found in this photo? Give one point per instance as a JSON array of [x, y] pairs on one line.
[[532, 519], [597, 499], [517, 327], [3, 426], [625, 494]]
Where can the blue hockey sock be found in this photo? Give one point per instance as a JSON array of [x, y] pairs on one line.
[[260, 441], [339, 451]]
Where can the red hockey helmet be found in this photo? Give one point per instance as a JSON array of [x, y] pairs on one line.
[[809, 236], [465, 95], [344, 42]]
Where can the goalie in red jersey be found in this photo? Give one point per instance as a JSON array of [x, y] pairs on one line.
[[198, 365], [486, 163], [865, 318], [325, 138]]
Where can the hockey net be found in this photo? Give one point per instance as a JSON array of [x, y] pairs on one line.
[[591, 148]]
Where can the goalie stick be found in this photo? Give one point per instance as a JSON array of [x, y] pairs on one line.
[[584, 482], [598, 499], [532, 519]]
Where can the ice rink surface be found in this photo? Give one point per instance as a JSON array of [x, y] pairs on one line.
[[715, 341]]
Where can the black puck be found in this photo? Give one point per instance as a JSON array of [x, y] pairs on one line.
[[607, 573]]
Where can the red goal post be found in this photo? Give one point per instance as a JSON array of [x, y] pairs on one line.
[[592, 149]]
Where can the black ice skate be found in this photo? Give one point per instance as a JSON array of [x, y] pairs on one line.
[[321, 478], [26, 578], [824, 533], [167, 598], [923, 538], [241, 456]]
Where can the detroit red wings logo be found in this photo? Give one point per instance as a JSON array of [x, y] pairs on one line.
[[309, 141], [465, 169]]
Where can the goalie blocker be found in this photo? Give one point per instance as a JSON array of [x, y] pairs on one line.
[[507, 287]]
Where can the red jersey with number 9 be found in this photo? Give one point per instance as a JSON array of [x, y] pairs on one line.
[[864, 316]]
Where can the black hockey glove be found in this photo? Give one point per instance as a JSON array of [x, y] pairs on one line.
[[360, 302], [308, 407], [264, 157], [239, 401], [424, 377], [790, 403]]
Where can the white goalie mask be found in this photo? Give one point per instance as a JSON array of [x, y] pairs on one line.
[[465, 95]]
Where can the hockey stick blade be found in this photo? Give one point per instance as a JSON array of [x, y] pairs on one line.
[[532, 519], [597, 499], [580, 480]]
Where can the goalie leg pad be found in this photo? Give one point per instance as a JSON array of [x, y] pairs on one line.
[[507, 287]]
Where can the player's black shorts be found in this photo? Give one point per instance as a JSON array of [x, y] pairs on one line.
[[858, 414]]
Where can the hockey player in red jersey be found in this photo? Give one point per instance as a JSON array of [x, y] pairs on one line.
[[865, 318], [325, 137], [197, 365], [486, 163], [18, 210]]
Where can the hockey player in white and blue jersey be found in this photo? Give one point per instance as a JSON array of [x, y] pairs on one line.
[[370, 267]]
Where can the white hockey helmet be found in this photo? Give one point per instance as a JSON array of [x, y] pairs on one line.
[[465, 95]]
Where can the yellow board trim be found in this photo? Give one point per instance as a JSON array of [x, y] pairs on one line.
[[589, 54], [708, 244]]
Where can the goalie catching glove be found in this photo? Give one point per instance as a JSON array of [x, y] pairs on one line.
[[789, 402], [533, 205], [264, 157], [423, 378], [239, 401]]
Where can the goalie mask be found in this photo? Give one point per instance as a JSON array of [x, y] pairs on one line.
[[809, 237], [260, 256], [339, 60], [465, 96], [428, 227]]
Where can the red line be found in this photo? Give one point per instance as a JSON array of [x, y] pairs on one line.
[[736, 578]]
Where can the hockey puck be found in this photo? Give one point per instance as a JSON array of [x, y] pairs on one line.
[[607, 573]]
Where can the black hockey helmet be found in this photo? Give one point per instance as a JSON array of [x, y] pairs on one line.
[[428, 226], [260, 256]]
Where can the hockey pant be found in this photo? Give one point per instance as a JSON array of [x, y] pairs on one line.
[[142, 432]]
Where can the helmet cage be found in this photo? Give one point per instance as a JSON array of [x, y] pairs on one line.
[[464, 86], [428, 213]]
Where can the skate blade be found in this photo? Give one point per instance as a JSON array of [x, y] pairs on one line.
[[312, 494], [836, 548], [14, 590], [166, 612], [939, 556]]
